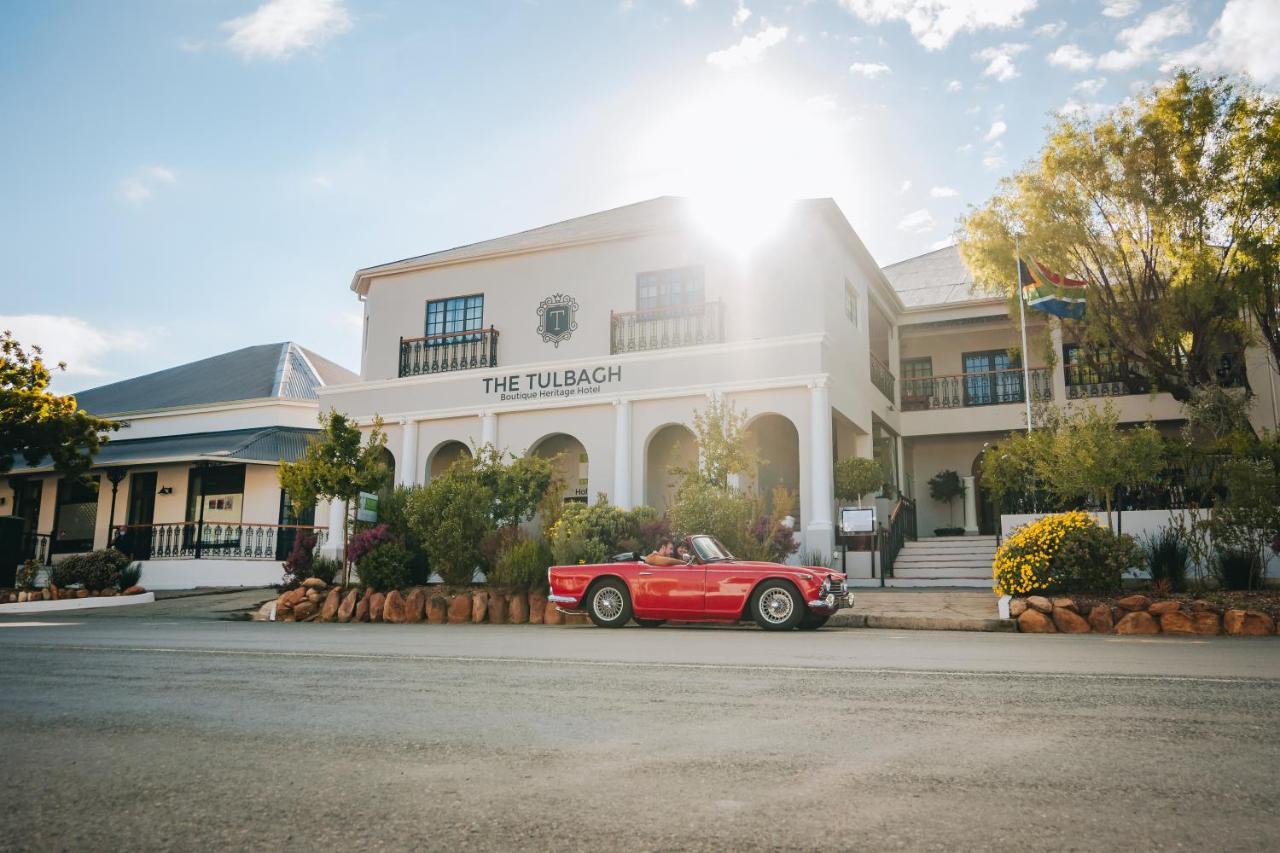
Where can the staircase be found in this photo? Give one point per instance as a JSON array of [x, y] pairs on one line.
[[945, 561]]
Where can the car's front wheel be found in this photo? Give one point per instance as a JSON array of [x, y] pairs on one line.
[[776, 606], [609, 604]]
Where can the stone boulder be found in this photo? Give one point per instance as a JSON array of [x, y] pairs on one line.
[[1064, 603], [332, 601], [296, 595], [362, 609], [1069, 622], [460, 608], [347, 609], [415, 605], [376, 603], [393, 608], [1100, 619], [1202, 606], [437, 609], [1248, 623], [479, 605], [1017, 607], [80, 593], [497, 608], [1033, 621], [315, 583], [283, 605], [1039, 602], [133, 590], [1134, 602], [537, 606], [1162, 607], [550, 615], [313, 595], [304, 610], [1207, 624], [1138, 622], [518, 608], [1177, 622]]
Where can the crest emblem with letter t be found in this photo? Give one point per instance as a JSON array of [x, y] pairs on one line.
[[557, 318]]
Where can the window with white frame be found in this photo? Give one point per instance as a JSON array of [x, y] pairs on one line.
[[851, 302]]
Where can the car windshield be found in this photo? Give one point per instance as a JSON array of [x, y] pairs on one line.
[[709, 549]]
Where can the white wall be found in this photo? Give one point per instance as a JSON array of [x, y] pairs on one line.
[[190, 574]]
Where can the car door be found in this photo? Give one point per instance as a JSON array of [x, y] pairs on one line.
[[728, 585], [669, 592]]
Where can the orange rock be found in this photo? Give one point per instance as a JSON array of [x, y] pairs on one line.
[[347, 609], [437, 609], [1100, 619], [1162, 607], [1138, 622], [393, 608], [518, 608], [537, 606], [1017, 607], [1202, 606], [1032, 621], [1069, 622], [133, 590], [313, 595], [1207, 624], [1134, 602], [551, 616], [1177, 622], [314, 583], [332, 600], [460, 608], [1065, 604], [304, 610], [479, 605], [1248, 623], [82, 593], [497, 608], [376, 602], [362, 609], [1039, 602], [415, 605]]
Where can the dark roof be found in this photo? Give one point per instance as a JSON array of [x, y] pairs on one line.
[[263, 444], [283, 371], [940, 277]]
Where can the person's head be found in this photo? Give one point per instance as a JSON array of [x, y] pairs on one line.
[[666, 547]]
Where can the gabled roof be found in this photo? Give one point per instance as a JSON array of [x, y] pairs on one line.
[[939, 277], [283, 371]]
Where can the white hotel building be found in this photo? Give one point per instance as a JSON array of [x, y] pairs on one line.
[[596, 339]]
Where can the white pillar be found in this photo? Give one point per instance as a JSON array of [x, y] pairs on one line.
[[622, 454], [332, 547], [1060, 367], [489, 429], [970, 506], [819, 529], [409, 452]]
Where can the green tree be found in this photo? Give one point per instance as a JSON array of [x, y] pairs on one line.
[[337, 466], [720, 434], [35, 422], [855, 477], [451, 516], [516, 485], [1167, 208], [946, 486]]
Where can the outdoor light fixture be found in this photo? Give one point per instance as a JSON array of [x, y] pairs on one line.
[[166, 490]]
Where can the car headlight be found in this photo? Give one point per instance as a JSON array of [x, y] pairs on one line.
[[826, 585]]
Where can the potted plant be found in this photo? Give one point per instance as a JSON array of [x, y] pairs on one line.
[[946, 486], [855, 477]]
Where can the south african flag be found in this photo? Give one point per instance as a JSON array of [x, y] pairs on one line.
[[1051, 292]]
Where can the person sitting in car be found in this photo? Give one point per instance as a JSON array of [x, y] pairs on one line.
[[664, 556]]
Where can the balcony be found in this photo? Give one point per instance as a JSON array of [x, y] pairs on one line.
[[666, 328], [968, 390], [881, 377], [449, 352]]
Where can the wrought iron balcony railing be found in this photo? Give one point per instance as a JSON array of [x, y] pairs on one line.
[[966, 390], [449, 351], [666, 328], [881, 377], [193, 540]]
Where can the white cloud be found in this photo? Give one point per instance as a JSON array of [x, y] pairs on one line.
[[906, 187], [741, 14], [999, 60], [749, 50], [964, 149], [916, 222], [280, 28], [190, 45], [142, 185], [1119, 8], [997, 130], [1090, 87], [1050, 30], [1243, 39], [81, 345], [1142, 41], [943, 192], [954, 86], [934, 23], [1079, 109], [1072, 57], [870, 70], [993, 161]]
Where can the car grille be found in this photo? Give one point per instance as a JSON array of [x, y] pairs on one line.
[[836, 586]]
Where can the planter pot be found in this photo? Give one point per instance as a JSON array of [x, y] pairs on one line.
[[551, 616], [537, 607], [497, 608], [518, 608], [460, 608], [479, 606], [437, 609]]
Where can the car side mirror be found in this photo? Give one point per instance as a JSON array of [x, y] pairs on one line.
[[624, 557]]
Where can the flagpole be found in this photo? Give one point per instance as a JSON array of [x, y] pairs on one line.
[[1022, 315]]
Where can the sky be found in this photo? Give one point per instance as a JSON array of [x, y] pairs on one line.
[[187, 177]]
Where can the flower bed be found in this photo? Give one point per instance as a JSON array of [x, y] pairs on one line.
[[1237, 614], [316, 601]]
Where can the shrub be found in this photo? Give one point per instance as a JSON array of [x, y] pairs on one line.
[[95, 570], [1093, 559], [451, 516], [945, 487], [1167, 556], [523, 565], [297, 566], [1024, 561], [571, 538], [384, 567], [1237, 569], [855, 477], [130, 575], [393, 511], [701, 507], [325, 569], [366, 540], [27, 574]]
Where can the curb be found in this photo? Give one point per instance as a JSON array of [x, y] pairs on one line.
[[919, 623]]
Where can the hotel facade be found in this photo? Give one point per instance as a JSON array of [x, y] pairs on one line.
[[594, 341]]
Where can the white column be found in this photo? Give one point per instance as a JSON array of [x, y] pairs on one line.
[[332, 547], [409, 452], [489, 429], [819, 529], [970, 506], [622, 454], [1060, 367]]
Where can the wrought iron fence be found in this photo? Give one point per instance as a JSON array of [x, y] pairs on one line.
[[192, 540], [967, 390], [894, 535], [666, 328], [881, 377], [448, 352]]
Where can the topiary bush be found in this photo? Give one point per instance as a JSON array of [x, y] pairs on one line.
[[384, 567], [95, 570]]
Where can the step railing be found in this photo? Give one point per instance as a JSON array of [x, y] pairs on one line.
[[894, 535]]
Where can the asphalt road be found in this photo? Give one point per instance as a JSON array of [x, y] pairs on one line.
[[170, 729]]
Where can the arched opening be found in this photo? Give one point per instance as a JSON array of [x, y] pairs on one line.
[[670, 446], [445, 455], [570, 460], [389, 484], [988, 514], [775, 439]]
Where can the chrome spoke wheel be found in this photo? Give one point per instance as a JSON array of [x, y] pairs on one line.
[[607, 603], [776, 606]]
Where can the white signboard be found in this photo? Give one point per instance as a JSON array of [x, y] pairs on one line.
[[857, 520], [367, 507]]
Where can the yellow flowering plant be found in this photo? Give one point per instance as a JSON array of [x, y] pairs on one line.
[[1025, 562]]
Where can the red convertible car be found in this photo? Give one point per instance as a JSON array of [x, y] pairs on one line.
[[712, 587]]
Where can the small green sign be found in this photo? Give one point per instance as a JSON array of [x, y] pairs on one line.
[[367, 507]]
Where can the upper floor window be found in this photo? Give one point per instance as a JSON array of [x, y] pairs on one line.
[[850, 302], [669, 288], [917, 368], [455, 314]]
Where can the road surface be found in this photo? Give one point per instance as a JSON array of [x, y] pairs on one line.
[[170, 729]]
